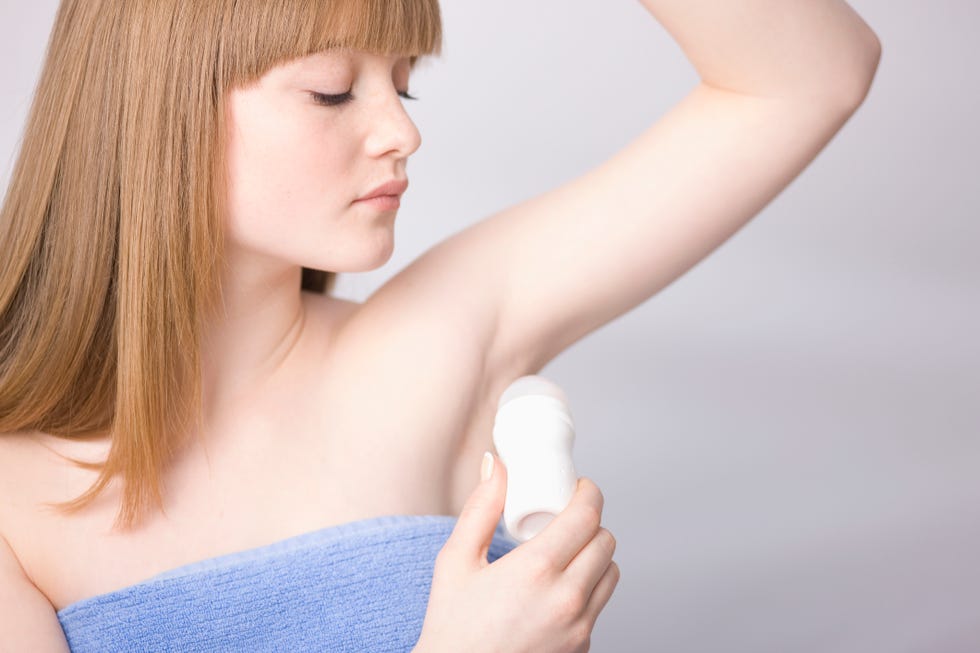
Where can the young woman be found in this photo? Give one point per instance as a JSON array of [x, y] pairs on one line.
[[202, 449]]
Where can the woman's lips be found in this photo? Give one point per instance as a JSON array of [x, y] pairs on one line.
[[382, 202]]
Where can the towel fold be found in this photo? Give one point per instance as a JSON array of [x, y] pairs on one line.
[[357, 586]]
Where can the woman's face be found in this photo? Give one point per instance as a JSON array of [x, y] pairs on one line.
[[296, 166]]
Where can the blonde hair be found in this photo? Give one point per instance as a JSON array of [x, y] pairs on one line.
[[111, 225]]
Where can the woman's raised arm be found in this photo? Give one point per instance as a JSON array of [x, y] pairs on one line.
[[779, 79]]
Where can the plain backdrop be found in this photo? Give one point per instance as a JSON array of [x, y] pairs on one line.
[[787, 436]]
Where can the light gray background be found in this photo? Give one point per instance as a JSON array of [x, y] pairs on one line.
[[786, 436]]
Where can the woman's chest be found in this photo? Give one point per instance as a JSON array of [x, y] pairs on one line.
[[383, 438]]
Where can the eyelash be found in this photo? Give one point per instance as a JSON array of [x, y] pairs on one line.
[[336, 100]]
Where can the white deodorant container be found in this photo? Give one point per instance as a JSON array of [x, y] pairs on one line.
[[533, 434]]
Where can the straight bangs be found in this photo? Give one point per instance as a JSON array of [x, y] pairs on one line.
[[273, 32]]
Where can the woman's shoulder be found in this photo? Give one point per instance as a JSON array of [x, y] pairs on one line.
[[20, 473], [34, 474], [15, 469], [18, 457], [22, 465], [34, 469]]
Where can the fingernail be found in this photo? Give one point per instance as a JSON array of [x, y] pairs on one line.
[[486, 469]]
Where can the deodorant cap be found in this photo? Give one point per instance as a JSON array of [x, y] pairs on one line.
[[531, 385]]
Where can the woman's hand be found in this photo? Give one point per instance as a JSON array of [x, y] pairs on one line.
[[543, 596]]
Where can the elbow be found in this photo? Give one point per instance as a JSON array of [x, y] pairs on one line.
[[858, 84], [844, 88]]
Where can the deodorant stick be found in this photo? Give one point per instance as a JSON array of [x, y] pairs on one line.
[[533, 434]]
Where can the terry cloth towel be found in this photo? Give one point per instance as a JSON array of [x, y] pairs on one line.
[[357, 586]]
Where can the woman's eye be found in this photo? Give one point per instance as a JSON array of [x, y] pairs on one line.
[[336, 100], [331, 100]]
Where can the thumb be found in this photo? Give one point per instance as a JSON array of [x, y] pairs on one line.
[[470, 540]]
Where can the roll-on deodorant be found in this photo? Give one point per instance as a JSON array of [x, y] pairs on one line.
[[534, 434]]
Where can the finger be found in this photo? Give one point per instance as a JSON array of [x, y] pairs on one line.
[[470, 539], [601, 594], [572, 529], [588, 567]]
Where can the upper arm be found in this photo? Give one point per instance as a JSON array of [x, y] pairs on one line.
[[558, 266], [28, 621]]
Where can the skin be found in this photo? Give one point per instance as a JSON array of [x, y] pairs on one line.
[[295, 167]]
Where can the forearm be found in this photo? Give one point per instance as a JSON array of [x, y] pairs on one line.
[[773, 48]]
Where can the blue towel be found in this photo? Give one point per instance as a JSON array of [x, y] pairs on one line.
[[357, 586]]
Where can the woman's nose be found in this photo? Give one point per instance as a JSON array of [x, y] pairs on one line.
[[392, 129]]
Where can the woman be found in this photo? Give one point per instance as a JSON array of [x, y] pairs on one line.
[[202, 449]]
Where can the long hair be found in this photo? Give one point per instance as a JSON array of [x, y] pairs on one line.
[[110, 230]]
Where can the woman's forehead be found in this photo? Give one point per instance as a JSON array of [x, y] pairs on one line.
[[335, 61], [345, 55]]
